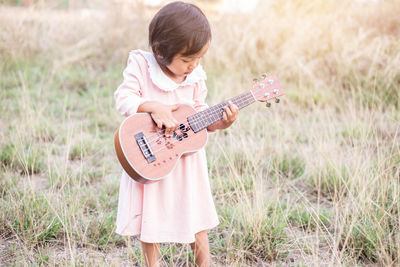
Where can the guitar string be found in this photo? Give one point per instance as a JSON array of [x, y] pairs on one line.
[[156, 140], [195, 120], [157, 135], [163, 146]]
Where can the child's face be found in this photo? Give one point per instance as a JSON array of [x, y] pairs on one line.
[[181, 66]]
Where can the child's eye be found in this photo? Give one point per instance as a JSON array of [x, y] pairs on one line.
[[186, 61]]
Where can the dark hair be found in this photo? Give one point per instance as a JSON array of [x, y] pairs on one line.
[[178, 27]]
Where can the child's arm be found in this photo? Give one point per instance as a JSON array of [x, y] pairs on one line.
[[228, 117], [161, 114]]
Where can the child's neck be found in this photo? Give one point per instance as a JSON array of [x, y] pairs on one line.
[[177, 79]]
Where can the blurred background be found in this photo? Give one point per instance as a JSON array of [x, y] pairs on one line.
[[311, 181]]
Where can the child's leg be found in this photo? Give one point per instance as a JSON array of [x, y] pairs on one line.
[[151, 254], [201, 249]]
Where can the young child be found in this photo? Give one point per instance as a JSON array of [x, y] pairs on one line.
[[180, 207]]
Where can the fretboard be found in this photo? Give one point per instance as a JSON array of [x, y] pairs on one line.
[[205, 118]]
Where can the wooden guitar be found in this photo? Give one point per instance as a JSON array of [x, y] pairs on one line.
[[147, 155]]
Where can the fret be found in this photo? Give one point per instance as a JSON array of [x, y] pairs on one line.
[[205, 118]]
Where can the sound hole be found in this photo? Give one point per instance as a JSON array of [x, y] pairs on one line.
[[183, 129]]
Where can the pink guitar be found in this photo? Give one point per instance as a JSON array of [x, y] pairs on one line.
[[147, 155]]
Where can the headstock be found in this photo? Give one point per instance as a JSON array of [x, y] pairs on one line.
[[267, 88]]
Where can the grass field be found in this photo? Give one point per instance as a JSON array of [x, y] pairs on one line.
[[312, 181]]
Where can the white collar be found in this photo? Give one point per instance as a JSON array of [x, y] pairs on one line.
[[163, 81]]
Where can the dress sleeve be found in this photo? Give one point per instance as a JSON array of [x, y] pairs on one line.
[[199, 96], [129, 95]]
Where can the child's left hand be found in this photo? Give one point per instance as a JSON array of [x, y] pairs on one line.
[[230, 114], [228, 117]]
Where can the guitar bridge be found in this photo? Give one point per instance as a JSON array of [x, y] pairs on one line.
[[145, 147]]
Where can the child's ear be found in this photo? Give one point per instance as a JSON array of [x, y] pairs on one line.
[[156, 46]]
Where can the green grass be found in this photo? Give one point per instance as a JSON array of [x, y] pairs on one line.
[[289, 166], [313, 179], [28, 160], [259, 239], [372, 237], [33, 221], [308, 219]]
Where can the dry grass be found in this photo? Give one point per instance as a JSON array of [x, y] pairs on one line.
[[312, 181]]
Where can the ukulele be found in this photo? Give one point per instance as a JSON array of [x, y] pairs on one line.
[[147, 155]]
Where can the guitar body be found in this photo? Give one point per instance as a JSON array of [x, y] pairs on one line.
[[146, 154]]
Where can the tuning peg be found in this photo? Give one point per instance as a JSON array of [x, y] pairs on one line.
[[277, 100], [255, 80], [263, 76], [268, 105]]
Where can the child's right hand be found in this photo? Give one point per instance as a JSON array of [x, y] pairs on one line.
[[162, 115]]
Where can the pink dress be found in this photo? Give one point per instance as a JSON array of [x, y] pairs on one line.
[[177, 207]]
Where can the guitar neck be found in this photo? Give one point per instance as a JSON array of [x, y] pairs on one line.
[[205, 118]]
